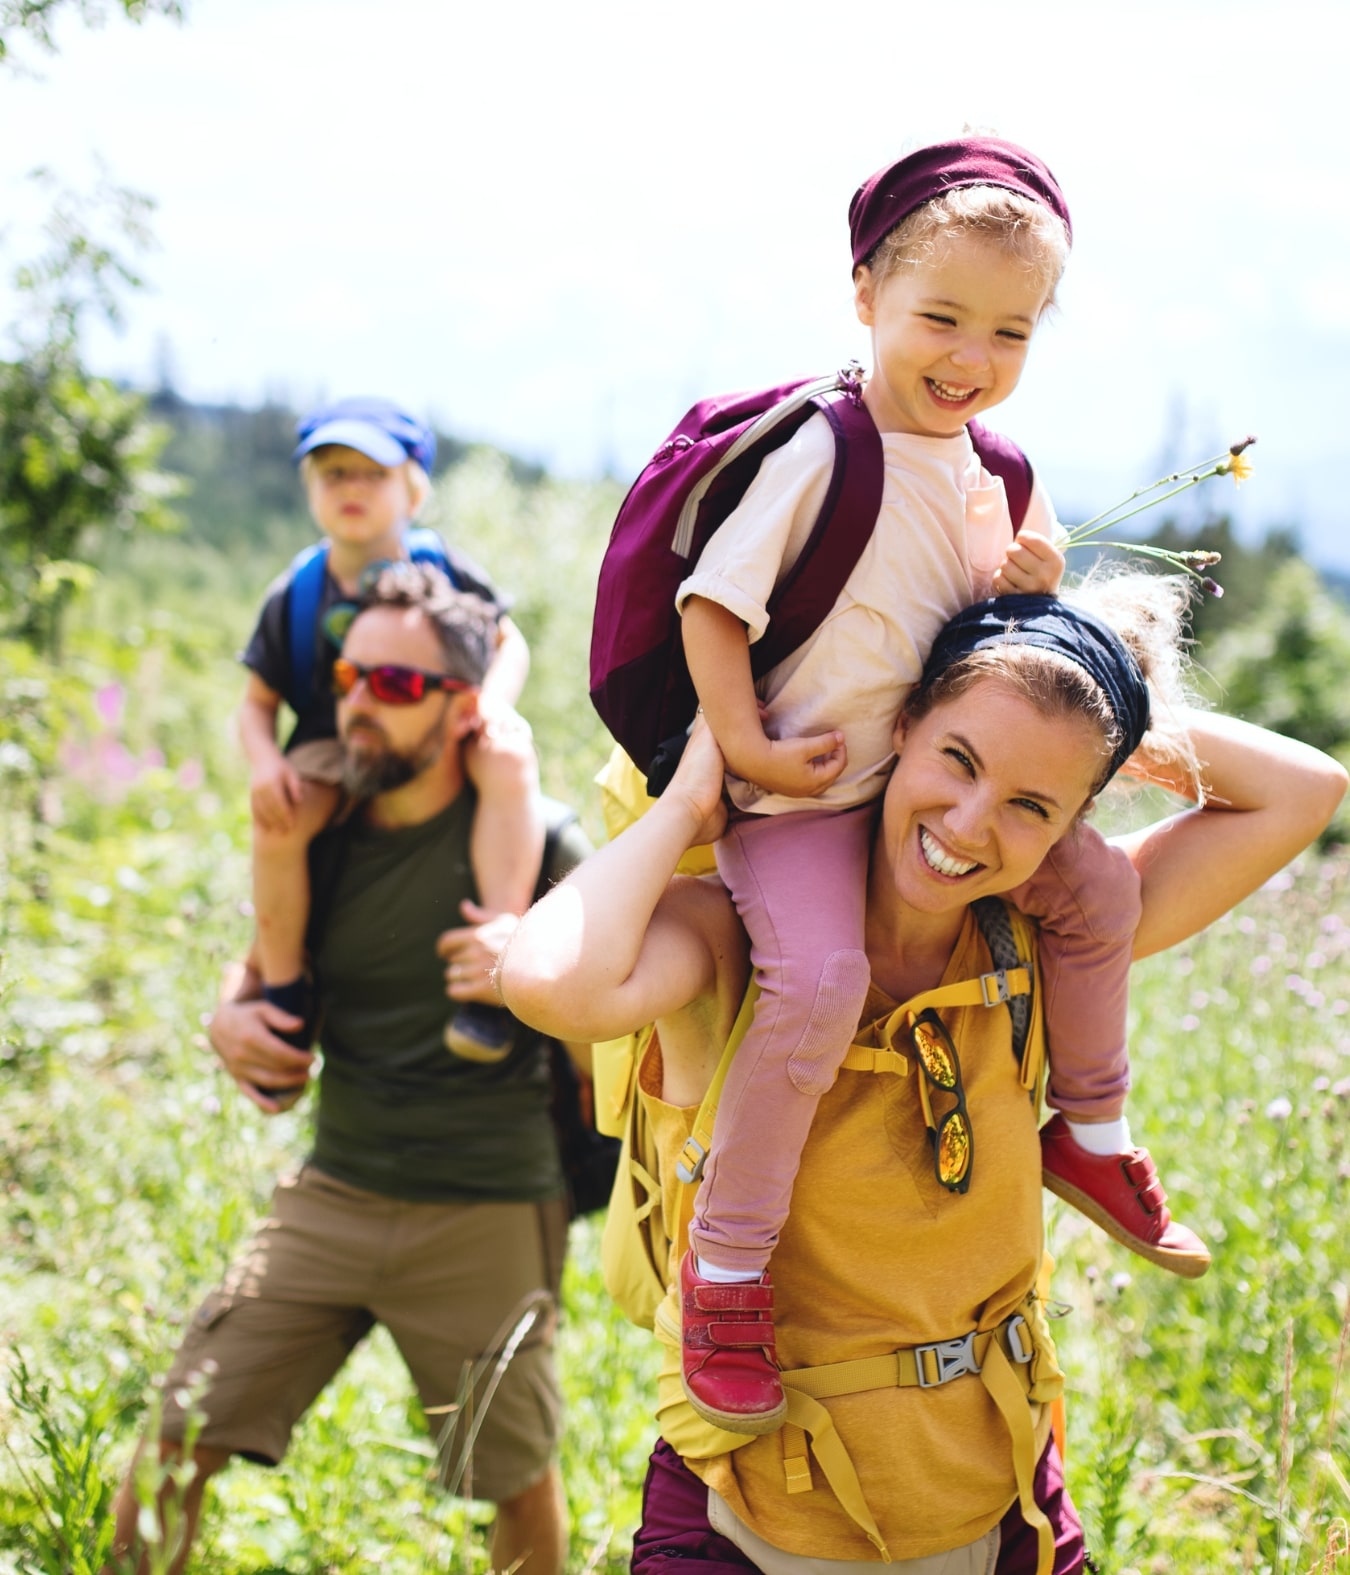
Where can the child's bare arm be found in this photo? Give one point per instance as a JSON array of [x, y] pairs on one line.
[[1033, 565], [507, 671], [274, 788], [718, 653]]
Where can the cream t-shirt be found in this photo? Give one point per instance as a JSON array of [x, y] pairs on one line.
[[942, 531]]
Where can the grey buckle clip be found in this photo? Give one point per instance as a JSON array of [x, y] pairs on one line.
[[953, 1358], [994, 987], [1018, 1336], [692, 1157]]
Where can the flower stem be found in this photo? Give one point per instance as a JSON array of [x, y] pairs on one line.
[[1191, 474], [1109, 517]]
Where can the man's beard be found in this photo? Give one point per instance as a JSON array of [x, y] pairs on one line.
[[381, 770]]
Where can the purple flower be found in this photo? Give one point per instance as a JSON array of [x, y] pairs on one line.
[[109, 701]]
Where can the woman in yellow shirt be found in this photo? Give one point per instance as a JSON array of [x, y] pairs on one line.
[[913, 1351]]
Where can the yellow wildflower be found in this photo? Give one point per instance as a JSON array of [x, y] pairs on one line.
[[1238, 466]]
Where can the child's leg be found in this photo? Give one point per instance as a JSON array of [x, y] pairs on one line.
[[1086, 897], [506, 848], [799, 884], [281, 883], [506, 842], [281, 898]]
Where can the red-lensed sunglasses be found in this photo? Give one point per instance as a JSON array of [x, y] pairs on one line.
[[391, 684]]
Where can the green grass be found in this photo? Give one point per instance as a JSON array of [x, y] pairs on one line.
[[1209, 1421]]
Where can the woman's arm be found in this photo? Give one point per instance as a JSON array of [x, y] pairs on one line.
[[612, 948], [1267, 797]]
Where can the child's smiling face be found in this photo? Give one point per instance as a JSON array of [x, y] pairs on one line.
[[949, 335], [354, 500]]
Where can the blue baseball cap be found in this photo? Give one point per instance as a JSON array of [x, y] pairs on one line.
[[373, 427]]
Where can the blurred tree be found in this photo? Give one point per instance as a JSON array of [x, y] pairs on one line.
[[77, 454], [1245, 572], [1287, 665], [34, 19]]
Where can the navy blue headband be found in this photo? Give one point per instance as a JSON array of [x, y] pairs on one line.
[[1053, 625]]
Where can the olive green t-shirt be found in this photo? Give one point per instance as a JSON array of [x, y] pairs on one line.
[[398, 1114]]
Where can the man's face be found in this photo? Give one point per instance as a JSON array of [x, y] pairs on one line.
[[386, 746]]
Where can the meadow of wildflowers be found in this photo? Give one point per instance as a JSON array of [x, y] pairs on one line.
[[1208, 1421]]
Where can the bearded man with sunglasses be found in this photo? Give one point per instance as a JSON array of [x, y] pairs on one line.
[[432, 1200]]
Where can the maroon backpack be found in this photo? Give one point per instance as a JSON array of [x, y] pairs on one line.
[[640, 682]]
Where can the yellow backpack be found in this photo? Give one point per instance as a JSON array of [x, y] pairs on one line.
[[636, 1245]]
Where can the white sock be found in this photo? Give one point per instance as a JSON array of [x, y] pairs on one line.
[[720, 1276], [1101, 1137]]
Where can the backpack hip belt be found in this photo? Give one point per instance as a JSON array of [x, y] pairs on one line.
[[1002, 1358]]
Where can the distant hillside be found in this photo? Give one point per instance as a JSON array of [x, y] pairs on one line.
[[244, 489]]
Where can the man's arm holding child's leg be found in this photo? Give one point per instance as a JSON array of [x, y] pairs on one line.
[[243, 1032]]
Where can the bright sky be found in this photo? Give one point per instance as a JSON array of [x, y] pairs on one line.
[[553, 227]]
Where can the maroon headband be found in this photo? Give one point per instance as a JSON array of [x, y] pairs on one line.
[[892, 194]]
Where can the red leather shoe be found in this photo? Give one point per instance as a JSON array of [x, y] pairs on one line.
[[1122, 1194], [730, 1371]]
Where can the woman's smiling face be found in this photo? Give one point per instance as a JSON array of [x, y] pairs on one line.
[[985, 785]]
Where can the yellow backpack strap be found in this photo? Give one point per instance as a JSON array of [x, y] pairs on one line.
[[990, 989], [991, 1355], [694, 1156], [699, 1141], [1011, 939], [805, 1415], [1010, 1397]]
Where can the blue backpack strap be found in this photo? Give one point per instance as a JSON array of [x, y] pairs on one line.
[[305, 593], [425, 546], [303, 596]]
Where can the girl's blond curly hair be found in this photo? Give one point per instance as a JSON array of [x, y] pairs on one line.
[[1027, 232]]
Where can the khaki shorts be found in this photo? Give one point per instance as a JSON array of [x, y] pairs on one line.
[[447, 1280]]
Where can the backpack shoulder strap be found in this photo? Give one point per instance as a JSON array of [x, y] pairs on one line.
[[802, 601], [1012, 982], [303, 596], [994, 918], [1001, 457], [425, 546], [695, 1152]]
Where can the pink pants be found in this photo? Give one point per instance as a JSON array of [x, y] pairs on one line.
[[799, 882]]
